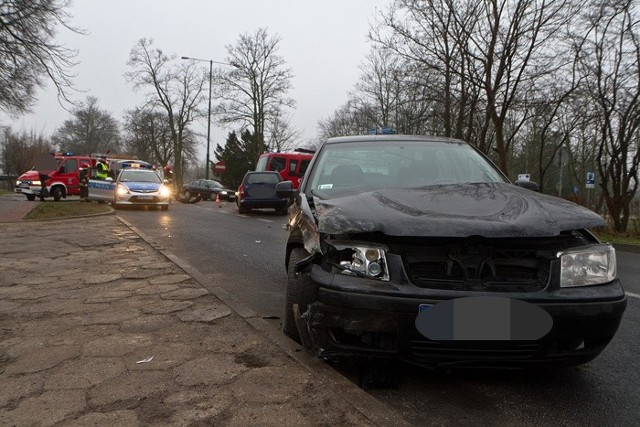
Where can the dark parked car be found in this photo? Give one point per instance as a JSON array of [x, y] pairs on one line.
[[258, 191], [205, 189], [419, 248]]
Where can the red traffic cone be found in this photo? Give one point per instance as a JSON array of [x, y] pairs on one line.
[[218, 199]]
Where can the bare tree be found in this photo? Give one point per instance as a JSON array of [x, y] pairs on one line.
[[610, 60], [148, 136], [29, 55], [430, 41], [282, 135], [350, 119], [19, 151], [90, 130], [479, 60], [176, 88], [254, 93]]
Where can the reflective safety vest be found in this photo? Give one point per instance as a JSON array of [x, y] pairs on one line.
[[101, 171]]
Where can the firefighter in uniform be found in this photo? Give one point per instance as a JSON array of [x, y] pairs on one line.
[[84, 182]]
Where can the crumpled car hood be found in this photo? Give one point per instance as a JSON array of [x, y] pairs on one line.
[[460, 210]]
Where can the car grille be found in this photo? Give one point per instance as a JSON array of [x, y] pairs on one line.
[[427, 352], [143, 199], [468, 264]]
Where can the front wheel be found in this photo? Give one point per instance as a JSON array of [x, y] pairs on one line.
[[300, 291], [164, 207], [30, 197], [56, 193]]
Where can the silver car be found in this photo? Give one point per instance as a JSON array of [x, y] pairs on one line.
[[131, 187]]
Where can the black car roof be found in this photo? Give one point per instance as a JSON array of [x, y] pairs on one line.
[[374, 138]]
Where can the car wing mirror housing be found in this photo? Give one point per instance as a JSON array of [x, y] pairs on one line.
[[285, 189], [529, 185]]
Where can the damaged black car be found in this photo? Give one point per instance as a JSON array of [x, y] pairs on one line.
[[420, 249]]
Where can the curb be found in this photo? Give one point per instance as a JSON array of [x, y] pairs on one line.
[[369, 407]]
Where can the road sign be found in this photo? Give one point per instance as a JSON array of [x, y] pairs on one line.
[[219, 168], [590, 181]]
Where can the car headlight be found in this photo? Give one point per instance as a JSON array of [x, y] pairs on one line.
[[18, 182], [122, 190], [224, 193], [592, 265], [165, 191], [36, 183], [361, 260]]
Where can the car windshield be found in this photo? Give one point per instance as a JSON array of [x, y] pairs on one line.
[[364, 166], [139, 176]]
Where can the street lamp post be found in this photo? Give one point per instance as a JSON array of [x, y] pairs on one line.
[[210, 61]]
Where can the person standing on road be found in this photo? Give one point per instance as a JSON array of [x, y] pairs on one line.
[[102, 170], [84, 182], [43, 185]]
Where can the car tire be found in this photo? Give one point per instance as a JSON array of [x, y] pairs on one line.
[[300, 291], [164, 207], [56, 193], [30, 197]]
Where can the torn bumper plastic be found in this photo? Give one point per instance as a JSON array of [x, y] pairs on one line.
[[354, 316]]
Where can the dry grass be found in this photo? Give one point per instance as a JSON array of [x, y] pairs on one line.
[[52, 210]]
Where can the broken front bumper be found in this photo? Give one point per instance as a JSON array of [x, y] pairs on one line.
[[354, 316]]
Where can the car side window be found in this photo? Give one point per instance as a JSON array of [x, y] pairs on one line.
[[303, 166], [278, 164], [70, 165], [293, 164]]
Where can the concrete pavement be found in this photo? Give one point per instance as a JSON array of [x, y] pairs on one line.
[[100, 327]]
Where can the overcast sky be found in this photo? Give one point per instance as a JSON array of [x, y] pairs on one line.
[[323, 41]]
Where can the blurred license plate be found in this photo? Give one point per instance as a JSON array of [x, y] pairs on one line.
[[145, 197]]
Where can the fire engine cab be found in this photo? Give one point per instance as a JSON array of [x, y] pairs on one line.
[[61, 183]]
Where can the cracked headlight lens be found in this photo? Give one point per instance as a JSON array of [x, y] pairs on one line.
[[361, 260], [592, 265]]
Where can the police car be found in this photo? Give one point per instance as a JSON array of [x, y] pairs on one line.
[[135, 183]]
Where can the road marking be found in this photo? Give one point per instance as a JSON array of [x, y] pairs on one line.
[[264, 220], [631, 294]]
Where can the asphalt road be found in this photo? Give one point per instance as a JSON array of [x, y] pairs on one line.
[[245, 255]]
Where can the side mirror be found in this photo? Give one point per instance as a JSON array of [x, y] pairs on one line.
[[529, 185], [285, 189]]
